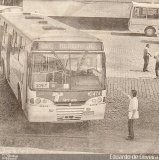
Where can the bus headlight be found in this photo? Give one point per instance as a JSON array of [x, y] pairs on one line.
[[99, 99], [44, 101], [37, 101], [95, 101], [32, 101]]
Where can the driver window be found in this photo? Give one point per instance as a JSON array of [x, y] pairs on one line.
[[139, 12]]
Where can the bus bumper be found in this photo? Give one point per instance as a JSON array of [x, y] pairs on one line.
[[37, 114], [93, 112]]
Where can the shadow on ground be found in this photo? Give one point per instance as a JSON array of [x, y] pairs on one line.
[[136, 70], [127, 34], [95, 23], [151, 41]]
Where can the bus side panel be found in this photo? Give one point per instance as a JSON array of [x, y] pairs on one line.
[[137, 25], [1, 38], [24, 82], [8, 52], [154, 23], [15, 75]]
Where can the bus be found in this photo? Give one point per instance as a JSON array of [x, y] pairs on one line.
[[11, 2], [144, 18], [56, 72]]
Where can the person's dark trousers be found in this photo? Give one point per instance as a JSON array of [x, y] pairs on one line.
[[130, 128], [157, 68], [146, 62]]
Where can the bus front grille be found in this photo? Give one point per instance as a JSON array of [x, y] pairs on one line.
[[69, 113], [69, 103]]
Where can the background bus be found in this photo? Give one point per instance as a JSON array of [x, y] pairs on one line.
[[11, 2], [144, 18], [10, 9], [56, 72]]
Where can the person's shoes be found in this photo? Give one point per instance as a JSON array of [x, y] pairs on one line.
[[129, 138], [157, 77]]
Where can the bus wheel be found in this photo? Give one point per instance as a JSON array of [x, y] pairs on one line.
[[150, 31], [19, 98]]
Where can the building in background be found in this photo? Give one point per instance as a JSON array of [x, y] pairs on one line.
[[11, 2], [20, 2], [78, 8]]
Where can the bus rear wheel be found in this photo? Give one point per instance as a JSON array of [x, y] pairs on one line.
[[150, 31]]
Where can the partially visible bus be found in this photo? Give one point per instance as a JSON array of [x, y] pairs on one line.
[[56, 72], [10, 9], [144, 18], [11, 2]]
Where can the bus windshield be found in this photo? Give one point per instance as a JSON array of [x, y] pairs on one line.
[[67, 71]]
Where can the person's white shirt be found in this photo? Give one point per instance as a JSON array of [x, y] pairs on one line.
[[133, 105]]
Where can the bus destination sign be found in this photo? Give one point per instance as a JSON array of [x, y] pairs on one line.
[[69, 46]]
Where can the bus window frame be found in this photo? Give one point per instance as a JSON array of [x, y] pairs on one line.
[[29, 66], [138, 16], [154, 14], [147, 9]]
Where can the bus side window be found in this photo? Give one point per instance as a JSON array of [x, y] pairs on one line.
[[14, 42], [153, 13], [16, 45], [23, 43], [5, 36], [21, 50], [139, 12]]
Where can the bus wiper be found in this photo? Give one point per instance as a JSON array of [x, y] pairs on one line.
[[58, 59], [81, 61]]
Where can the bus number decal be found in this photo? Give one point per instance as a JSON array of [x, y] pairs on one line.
[[94, 93], [41, 85]]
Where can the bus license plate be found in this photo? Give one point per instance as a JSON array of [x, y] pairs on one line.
[[88, 113]]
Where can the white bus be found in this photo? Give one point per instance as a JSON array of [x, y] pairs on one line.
[[144, 18], [56, 72], [10, 9]]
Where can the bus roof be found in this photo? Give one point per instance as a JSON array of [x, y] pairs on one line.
[[38, 27], [145, 5]]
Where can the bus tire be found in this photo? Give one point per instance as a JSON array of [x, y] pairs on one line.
[[19, 98], [150, 31]]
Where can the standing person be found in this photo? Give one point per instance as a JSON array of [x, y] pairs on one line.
[[157, 65], [132, 113], [146, 57]]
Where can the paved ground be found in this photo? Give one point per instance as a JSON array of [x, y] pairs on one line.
[[82, 8], [124, 53], [79, 8], [104, 136], [147, 88]]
